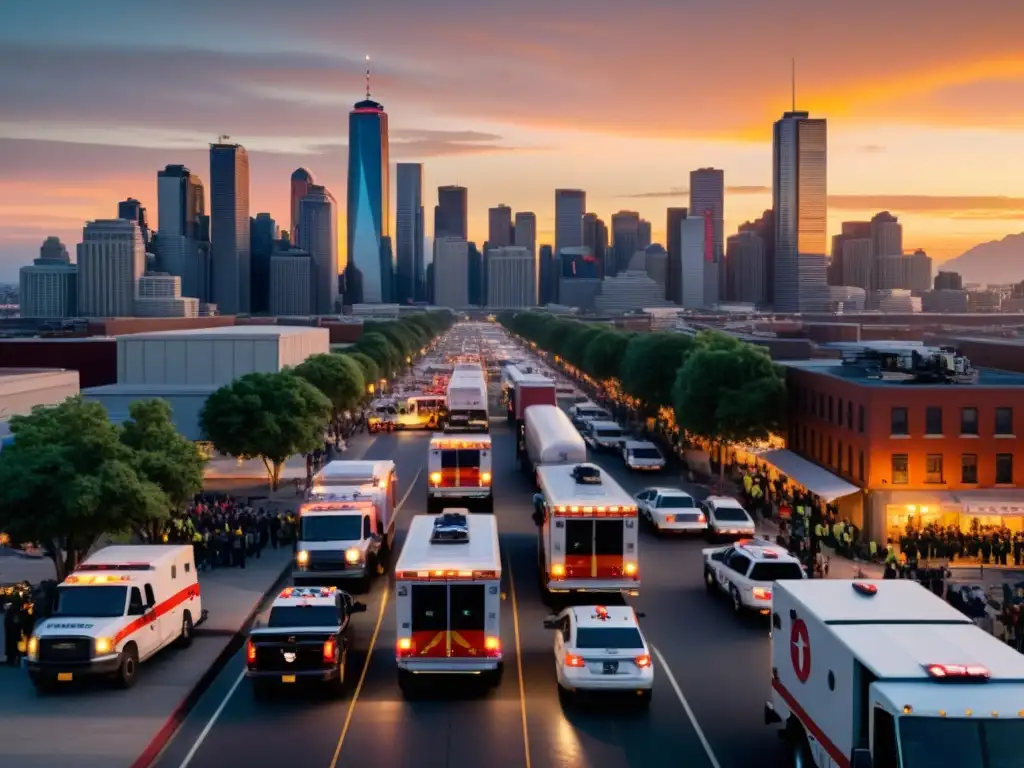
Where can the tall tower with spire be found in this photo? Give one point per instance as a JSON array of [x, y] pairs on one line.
[[369, 268]]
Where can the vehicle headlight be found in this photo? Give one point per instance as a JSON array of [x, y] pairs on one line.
[[435, 478], [302, 557], [32, 650], [104, 645], [353, 555]]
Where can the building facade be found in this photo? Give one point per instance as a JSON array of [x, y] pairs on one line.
[[409, 234], [111, 259], [291, 283], [369, 268], [673, 244], [48, 288], [511, 278], [570, 205], [707, 195], [451, 215], [300, 184], [693, 255], [318, 225], [746, 278], [160, 296], [800, 202], [182, 242], [499, 226], [920, 453], [229, 220], [625, 238], [526, 231], [595, 237], [451, 272]]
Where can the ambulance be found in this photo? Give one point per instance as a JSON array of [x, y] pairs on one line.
[[587, 531], [459, 472], [347, 523], [448, 598], [117, 609], [885, 674]]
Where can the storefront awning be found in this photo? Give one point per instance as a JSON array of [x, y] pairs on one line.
[[992, 503], [818, 481]]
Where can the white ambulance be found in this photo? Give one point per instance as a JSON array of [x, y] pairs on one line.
[[448, 598], [588, 531], [347, 523], [459, 469], [885, 674], [119, 607]]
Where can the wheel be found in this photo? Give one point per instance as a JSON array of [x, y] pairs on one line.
[[737, 601], [128, 670], [709, 580], [643, 699], [185, 638], [799, 751]]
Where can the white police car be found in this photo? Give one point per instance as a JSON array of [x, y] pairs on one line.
[[747, 571], [305, 640], [601, 649]]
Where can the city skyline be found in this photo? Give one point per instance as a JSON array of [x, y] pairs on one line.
[[926, 133]]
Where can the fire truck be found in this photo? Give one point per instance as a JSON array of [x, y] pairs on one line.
[[588, 531], [885, 674], [448, 598], [460, 472]]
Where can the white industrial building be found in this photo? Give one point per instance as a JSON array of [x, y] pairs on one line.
[[629, 290], [185, 367], [511, 278], [160, 296]]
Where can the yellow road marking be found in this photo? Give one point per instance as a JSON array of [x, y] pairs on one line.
[[519, 664], [373, 642]]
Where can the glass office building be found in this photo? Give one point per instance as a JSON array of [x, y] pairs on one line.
[[369, 271]]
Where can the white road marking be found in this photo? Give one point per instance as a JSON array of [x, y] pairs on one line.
[[220, 708], [686, 706], [213, 721]]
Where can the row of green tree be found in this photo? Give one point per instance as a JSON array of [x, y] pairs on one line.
[[71, 476], [720, 388]]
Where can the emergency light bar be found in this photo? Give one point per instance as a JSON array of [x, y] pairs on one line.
[[334, 506], [450, 445], [115, 567], [101, 578], [958, 671], [868, 590], [589, 511], [446, 575], [307, 592]]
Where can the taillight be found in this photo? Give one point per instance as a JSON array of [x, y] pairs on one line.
[[493, 646], [250, 653], [485, 478], [643, 661], [701, 518], [572, 660], [558, 570], [404, 646], [330, 650], [760, 593], [630, 569], [435, 478]]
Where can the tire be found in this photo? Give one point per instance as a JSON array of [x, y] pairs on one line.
[[709, 581], [128, 670], [737, 601], [799, 750], [185, 638]]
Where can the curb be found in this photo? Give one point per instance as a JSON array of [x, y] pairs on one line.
[[179, 714]]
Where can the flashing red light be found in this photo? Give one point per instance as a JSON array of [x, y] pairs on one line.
[[868, 590], [769, 555], [958, 671], [250, 653], [330, 650], [601, 613], [287, 592]]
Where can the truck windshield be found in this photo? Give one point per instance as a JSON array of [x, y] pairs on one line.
[[91, 602], [303, 616], [930, 741], [331, 527]]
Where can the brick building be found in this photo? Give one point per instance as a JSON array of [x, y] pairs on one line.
[[916, 452]]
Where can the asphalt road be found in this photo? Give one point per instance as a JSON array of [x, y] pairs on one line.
[[711, 670]]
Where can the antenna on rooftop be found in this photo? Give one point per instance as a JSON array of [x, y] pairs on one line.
[[223, 138], [792, 78], [367, 77]]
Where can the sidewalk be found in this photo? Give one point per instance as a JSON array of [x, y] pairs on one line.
[[101, 727]]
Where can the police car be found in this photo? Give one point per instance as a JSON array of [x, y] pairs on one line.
[[670, 510], [747, 571], [305, 639], [601, 649], [727, 517]]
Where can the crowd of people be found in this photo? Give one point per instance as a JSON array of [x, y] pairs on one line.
[[985, 544]]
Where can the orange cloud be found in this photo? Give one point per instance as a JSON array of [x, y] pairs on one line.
[[942, 206]]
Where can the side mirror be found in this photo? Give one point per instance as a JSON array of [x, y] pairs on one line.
[[552, 622], [860, 758], [357, 607]]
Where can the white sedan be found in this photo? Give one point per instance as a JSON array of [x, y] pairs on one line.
[[601, 649], [670, 510]]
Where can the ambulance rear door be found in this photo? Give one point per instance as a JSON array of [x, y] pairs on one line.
[[451, 619]]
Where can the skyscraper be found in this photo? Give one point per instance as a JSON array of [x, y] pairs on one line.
[[229, 220], [111, 259], [643, 235], [886, 235], [799, 194], [595, 237], [132, 210], [49, 286], [526, 231], [369, 270], [694, 264], [625, 237], [851, 230], [180, 243], [547, 277], [673, 244], [409, 234], [262, 237], [451, 272], [707, 193], [765, 228], [570, 205], [451, 216], [318, 229], [301, 181], [499, 226], [511, 278]]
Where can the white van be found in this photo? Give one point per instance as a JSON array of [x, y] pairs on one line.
[[581, 413], [119, 608]]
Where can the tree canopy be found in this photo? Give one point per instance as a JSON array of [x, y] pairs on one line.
[[68, 479], [271, 416], [378, 348], [603, 356], [650, 364], [337, 376], [369, 368]]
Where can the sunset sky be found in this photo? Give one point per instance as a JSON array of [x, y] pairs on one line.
[[514, 99]]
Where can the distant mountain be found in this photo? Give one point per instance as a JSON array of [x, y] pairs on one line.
[[993, 263]]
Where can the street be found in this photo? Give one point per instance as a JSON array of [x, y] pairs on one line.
[[711, 671]]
